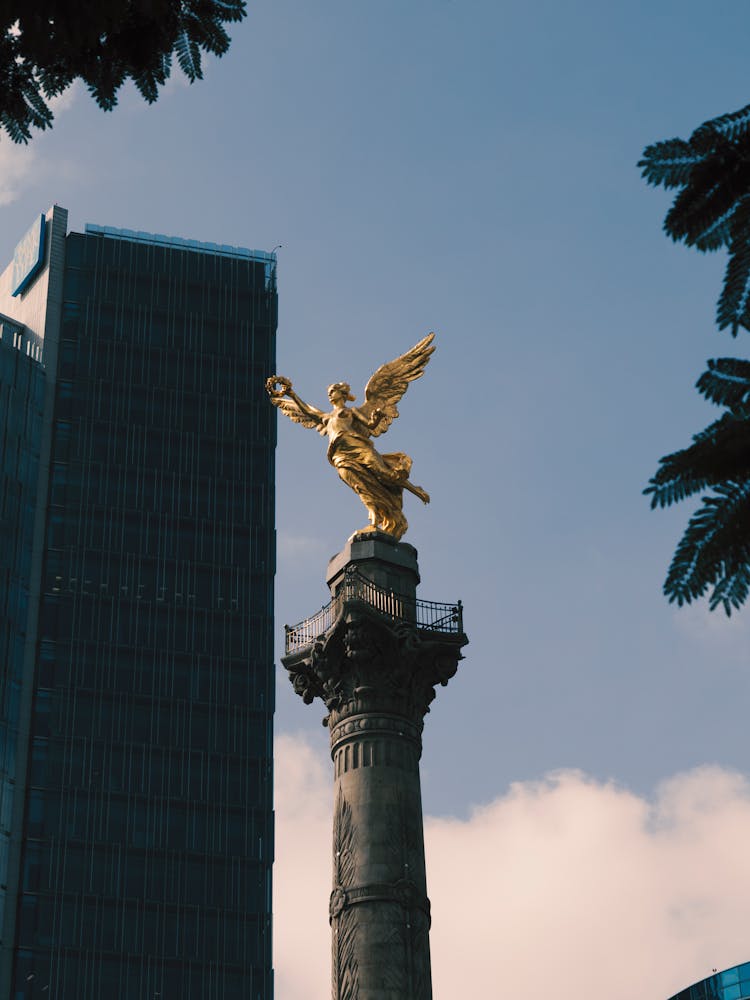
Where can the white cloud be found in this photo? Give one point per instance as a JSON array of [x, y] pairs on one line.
[[566, 887], [724, 638], [302, 873], [19, 164], [16, 164]]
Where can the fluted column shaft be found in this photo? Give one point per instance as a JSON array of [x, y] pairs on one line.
[[379, 907]]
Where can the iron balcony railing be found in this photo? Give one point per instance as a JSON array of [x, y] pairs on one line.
[[429, 616]]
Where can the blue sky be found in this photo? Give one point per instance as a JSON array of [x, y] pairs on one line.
[[470, 168]]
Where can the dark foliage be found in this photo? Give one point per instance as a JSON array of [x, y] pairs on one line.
[[47, 44], [712, 209], [714, 552]]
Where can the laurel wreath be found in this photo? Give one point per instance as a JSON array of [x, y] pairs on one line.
[[278, 386]]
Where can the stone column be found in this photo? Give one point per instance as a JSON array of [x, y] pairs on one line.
[[375, 667]]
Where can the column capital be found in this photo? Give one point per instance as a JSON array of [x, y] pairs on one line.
[[375, 648], [368, 663]]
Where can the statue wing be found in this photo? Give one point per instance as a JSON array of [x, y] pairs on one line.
[[293, 411], [390, 382]]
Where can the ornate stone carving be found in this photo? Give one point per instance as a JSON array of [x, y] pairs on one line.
[[338, 901], [373, 724], [403, 891], [345, 966], [367, 662], [344, 842]]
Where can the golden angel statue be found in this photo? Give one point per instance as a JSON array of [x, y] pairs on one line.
[[378, 480]]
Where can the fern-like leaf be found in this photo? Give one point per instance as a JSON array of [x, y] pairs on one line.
[[669, 163], [732, 307], [229, 10], [188, 55], [148, 81], [733, 126], [713, 193], [726, 382], [732, 588], [105, 81], [712, 209], [713, 550], [718, 453], [717, 234], [22, 102]]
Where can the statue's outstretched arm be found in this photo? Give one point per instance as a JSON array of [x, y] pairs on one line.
[[311, 411], [284, 397]]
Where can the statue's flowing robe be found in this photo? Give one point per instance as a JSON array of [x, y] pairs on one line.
[[375, 478]]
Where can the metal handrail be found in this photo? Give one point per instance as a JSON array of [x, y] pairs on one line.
[[430, 616]]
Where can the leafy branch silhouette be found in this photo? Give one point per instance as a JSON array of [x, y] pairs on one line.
[[46, 45], [711, 211]]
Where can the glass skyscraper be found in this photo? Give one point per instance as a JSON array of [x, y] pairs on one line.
[[731, 984], [136, 588]]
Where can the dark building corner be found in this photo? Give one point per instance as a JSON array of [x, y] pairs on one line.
[[136, 588]]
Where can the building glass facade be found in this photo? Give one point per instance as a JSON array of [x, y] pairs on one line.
[[21, 413], [731, 984], [147, 841]]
